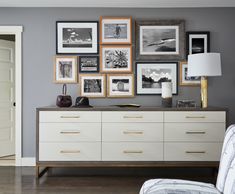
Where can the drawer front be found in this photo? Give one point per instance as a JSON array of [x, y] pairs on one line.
[[149, 132], [69, 116], [69, 151], [69, 132], [195, 116], [132, 151], [132, 116], [194, 132], [192, 151]]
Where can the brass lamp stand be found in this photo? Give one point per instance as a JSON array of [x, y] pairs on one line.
[[204, 94]]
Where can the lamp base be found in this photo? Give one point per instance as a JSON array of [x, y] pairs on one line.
[[204, 94]]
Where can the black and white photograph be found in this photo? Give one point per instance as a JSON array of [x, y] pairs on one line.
[[198, 42], [160, 39], [121, 85], [149, 77], [115, 30], [185, 80], [92, 85], [88, 64], [77, 37], [65, 69], [116, 59]]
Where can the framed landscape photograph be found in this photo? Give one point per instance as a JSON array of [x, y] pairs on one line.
[[198, 42], [150, 75], [116, 59], [160, 40], [184, 79], [120, 85], [115, 30], [65, 69], [88, 64], [93, 85], [76, 37]]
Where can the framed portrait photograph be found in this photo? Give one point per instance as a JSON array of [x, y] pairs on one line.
[[197, 42], [93, 85], [76, 37], [150, 75], [115, 30], [65, 69], [160, 40], [120, 85], [88, 64], [116, 59], [184, 79]]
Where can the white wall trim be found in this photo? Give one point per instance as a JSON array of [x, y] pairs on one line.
[[28, 161]]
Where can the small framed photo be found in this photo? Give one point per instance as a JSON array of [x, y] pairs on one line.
[[116, 59], [65, 69], [120, 85], [160, 40], [93, 85], [198, 42], [184, 79], [115, 30], [88, 64], [150, 75], [76, 37]]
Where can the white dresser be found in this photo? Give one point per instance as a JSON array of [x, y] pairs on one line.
[[147, 136]]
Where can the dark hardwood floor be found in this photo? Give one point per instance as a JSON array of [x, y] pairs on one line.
[[21, 180]]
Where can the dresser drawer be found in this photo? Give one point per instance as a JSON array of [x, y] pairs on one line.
[[132, 116], [69, 151], [143, 132], [70, 116], [192, 151], [195, 116], [132, 151], [69, 132], [194, 132]]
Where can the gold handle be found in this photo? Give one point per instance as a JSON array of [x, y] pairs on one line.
[[195, 152], [70, 117], [70, 151], [133, 132], [195, 117], [132, 117], [132, 152], [195, 132], [70, 132]]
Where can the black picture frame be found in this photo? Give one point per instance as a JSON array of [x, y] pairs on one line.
[[164, 65], [78, 29], [80, 61]]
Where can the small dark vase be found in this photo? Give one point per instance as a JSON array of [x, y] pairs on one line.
[[64, 100]]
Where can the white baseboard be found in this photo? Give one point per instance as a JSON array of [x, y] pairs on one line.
[[27, 161]]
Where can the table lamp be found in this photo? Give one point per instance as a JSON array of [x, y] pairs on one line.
[[204, 65]]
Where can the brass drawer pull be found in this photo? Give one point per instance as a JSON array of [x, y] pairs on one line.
[[195, 117], [69, 117], [195, 132], [133, 132], [133, 117], [70, 151], [70, 132], [132, 152], [195, 152]]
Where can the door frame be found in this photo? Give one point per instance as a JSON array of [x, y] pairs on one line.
[[17, 31]]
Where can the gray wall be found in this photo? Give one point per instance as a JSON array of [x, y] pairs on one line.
[[39, 49]]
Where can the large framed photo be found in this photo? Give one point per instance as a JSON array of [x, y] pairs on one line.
[[184, 79], [198, 42], [93, 85], [76, 37], [65, 69], [150, 75], [115, 30], [88, 64], [116, 59], [120, 85], [160, 40]]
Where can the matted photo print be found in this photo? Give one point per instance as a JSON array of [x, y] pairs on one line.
[[88, 64]]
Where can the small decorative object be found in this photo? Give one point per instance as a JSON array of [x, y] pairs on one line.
[[88, 64], [65, 69], [76, 37], [149, 77], [120, 86], [197, 42], [93, 85], [186, 104], [204, 64], [185, 80], [82, 102], [64, 100], [116, 59], [160, 40], [167, 94], [115, 30]]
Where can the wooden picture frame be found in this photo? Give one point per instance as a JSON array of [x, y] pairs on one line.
[[89, 64]]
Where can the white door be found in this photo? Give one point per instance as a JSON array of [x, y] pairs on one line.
[[7, 98]]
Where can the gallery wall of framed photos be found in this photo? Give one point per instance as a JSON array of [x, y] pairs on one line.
[[99, 55]]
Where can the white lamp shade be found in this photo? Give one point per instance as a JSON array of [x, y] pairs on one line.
[[204, 64]]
